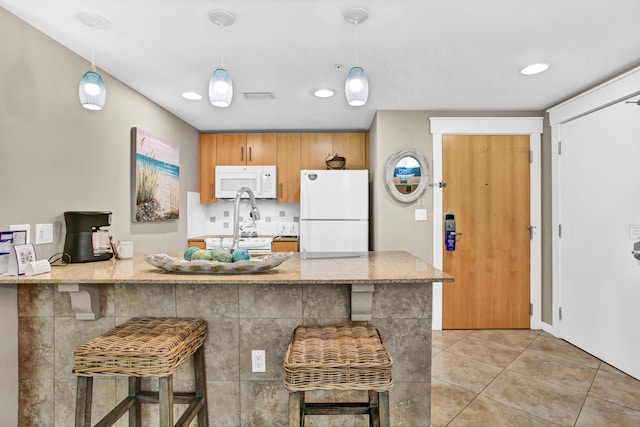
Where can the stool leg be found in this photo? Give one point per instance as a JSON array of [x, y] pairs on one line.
[[165, 395], [201, 386], [135, 413], [374, 409], [295, 409], [383, 406], [84, 397]]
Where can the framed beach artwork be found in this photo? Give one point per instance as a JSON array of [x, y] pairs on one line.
[[156, 178]]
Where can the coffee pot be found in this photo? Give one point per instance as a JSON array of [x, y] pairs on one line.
[[86, 241]]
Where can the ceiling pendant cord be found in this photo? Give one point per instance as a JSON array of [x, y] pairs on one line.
[[356, 87], [220, 83], [92, 91]]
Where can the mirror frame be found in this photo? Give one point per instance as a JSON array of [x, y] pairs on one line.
[[389, 169]]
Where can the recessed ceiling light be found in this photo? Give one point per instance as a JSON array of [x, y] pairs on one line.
[[324, 93], [534, 69], [192, 96]]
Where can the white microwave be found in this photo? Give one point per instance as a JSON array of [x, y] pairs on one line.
[[260, 179]]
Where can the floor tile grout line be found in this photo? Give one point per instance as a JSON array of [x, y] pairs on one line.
[[491, 382], [528, 347]]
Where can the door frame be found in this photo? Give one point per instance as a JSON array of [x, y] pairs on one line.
[[531, 126]]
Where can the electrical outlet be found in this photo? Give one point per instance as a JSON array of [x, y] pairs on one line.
[[258, 361]]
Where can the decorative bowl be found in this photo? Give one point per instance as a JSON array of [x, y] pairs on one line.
[[254, 265], [335, 162]]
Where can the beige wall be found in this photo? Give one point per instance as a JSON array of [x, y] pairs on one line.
[[56, 156]]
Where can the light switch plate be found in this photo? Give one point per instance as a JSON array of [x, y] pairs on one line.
[[421, 214], [44, 233]]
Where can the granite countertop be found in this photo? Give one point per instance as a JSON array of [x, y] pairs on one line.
[[302, 268]]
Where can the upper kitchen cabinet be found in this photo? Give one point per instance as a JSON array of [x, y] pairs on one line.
[[207, 168], [288, 167], [246, 149], [353, 146], [316, 147]]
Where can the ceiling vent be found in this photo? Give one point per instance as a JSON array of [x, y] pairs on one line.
[[255, 96]]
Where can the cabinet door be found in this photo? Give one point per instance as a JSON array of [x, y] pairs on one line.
[[284, 246], [207, 163], [314, 149], [288, 167], [352, 146], [262, 148], [231, 149]]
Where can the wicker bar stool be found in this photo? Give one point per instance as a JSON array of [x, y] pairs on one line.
[[339, 357], [139, 348]]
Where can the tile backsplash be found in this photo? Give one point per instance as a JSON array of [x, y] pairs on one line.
[[217, 218]]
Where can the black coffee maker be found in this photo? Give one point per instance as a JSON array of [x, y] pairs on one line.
[[85, 241]]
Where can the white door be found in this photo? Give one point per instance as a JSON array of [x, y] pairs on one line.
[[599, 211]]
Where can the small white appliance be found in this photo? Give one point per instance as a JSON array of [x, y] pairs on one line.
[[334, 210], [260, 179]]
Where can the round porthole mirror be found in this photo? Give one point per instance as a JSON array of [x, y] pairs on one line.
[[406, 175]]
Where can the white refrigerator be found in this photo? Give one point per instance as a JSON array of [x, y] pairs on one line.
[[334, 210]]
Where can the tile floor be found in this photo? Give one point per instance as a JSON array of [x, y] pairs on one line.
[[525, 378]]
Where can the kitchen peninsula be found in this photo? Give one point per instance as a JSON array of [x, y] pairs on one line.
[[244, 312]]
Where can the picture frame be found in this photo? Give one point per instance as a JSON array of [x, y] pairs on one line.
[[155, 179], [21, 255]]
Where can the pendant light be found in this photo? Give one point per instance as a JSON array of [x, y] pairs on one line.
[[220, 84], [92, 91], [356, 87]]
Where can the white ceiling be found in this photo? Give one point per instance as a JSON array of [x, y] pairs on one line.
[[418, 54]]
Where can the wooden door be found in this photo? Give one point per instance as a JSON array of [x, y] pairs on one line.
[[262, 148], [487, 180], [288, 167], [231, 149], [207, 168]]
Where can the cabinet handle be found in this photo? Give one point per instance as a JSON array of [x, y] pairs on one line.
[[242, 154], [211, 191], [249, 153], [281, 190]]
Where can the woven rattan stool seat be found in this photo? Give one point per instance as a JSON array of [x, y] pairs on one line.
[[341, 357], [143, 347]]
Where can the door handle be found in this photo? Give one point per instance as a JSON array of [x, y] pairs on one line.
[[455, 234]]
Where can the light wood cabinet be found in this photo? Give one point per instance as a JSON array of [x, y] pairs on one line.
[[262, 148], [247, 149], [285, 245], [316, 147], [231, 149], [288, 163], [290, 152], [352, 146], [207, 166]]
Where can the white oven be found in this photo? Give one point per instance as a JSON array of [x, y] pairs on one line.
[[255, 245], [260, 179]]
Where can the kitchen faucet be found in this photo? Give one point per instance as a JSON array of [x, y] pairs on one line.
[[255, 214]]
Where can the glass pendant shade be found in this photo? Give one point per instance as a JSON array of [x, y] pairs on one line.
[[220, 88], [92, 91], [356, 87]]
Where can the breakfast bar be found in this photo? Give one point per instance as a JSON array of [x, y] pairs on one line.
[[253, 311]]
